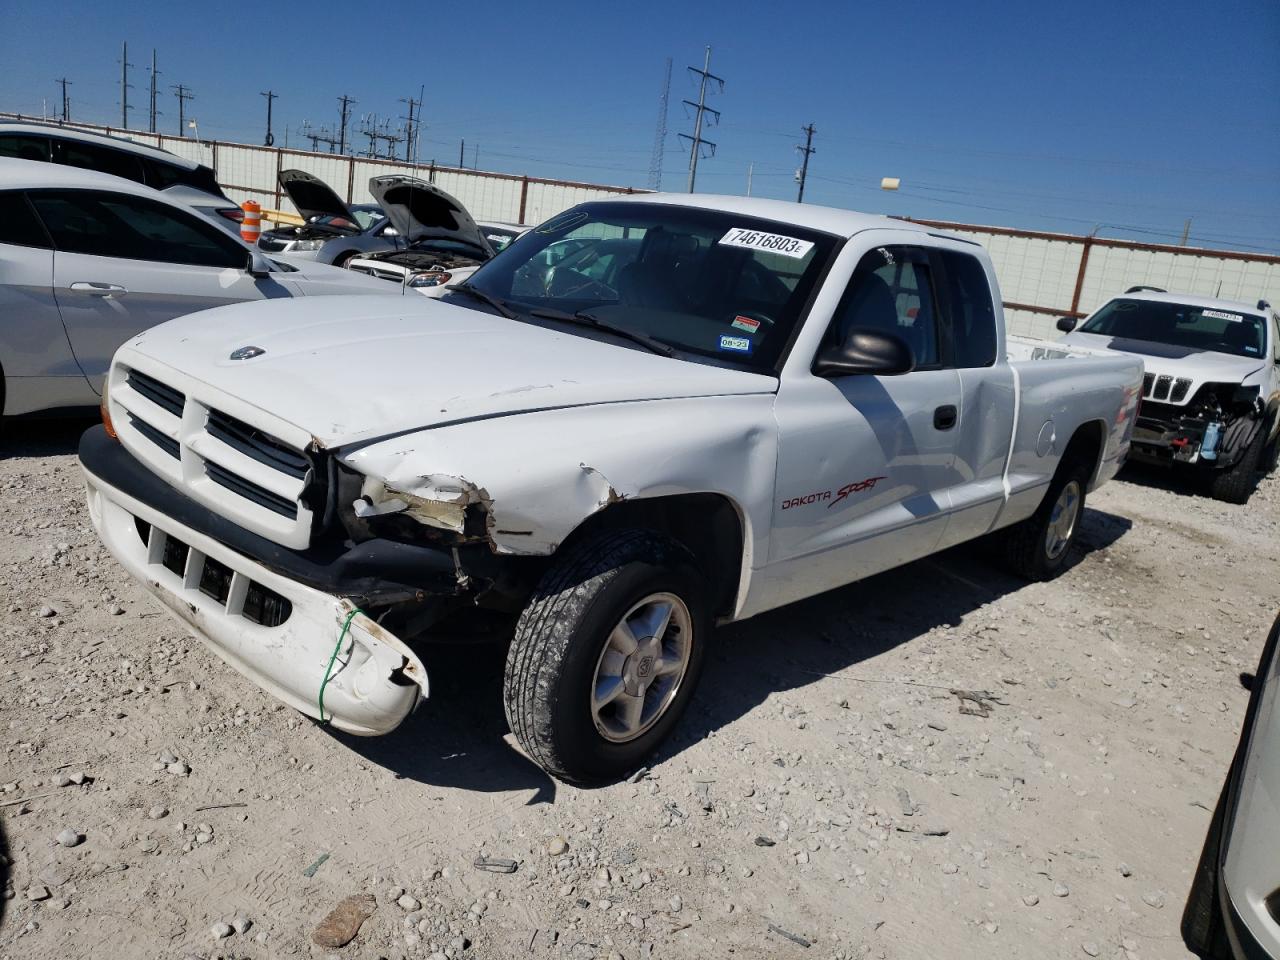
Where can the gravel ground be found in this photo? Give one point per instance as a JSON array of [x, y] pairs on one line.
[[827, 796]]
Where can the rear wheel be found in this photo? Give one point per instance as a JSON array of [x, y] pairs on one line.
[[1236, 483], [1038, 548], [606, 655]]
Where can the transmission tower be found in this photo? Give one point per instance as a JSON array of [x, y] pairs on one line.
[[696, 141], [660, 134]]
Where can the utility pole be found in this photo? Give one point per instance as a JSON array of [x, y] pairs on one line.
[[154, 73], [410, 133], [124, 86], [270, 140], [696, 141], [462, 153], [66, 104], [750, 169], [807, 149], [183, 94], [1186, 232], [342, 127]]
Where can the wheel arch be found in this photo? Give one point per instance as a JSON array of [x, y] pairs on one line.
[[711, 526], [1088, 446]]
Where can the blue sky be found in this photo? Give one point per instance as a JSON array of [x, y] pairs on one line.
[[1125, 116]]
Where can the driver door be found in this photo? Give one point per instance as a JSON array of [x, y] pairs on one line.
[[865, 461], [124, 263]]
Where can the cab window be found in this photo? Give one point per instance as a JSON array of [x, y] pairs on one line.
[[892, 292]]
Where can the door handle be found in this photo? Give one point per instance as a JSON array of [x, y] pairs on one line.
[[944, 417], [94, 289]]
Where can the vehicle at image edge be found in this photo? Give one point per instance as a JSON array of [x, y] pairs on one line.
[[1211, 394], [751, 403], [445, 245], [1233, 909], [334, 232], [88, 260], [179, 179]]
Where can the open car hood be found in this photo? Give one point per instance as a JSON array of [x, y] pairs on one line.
[[315, 198], [422, 211]]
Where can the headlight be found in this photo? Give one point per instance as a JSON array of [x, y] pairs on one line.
[[300, 245], [434, 278]]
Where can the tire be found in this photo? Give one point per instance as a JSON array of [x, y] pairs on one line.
[[343, 260], [1026, 547], [1236, 483], [564, 643]]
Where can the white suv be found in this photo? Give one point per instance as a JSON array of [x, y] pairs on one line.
[[1211, 394], [179, 179]]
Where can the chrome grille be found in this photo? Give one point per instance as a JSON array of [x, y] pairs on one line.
[[392, 275], [1165, 387]]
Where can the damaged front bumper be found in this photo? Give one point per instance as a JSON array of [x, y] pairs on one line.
[[279, 632]]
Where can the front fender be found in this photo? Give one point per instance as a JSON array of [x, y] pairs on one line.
[[537, 476]]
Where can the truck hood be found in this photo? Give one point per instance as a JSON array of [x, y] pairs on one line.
[[346, 369], [1166, 360], [315, 198], [422, 211]]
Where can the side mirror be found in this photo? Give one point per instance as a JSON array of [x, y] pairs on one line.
[[1066, 324], [865, 351], [258, 266]]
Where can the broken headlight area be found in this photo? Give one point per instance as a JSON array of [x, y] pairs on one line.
[[436, 510], [1213, 428]]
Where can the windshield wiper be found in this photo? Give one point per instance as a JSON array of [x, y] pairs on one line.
[[584, 319], [483, 297]]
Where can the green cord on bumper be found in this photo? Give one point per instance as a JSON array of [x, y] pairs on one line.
[[346, 625]]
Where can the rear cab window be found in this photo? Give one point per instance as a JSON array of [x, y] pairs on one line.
[[93, 156]]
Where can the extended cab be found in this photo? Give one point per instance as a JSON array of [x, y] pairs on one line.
[[738, 404], [1211, 394]]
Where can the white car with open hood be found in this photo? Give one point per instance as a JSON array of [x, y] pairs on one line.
[[732, 405], [1211, 394], [444, 245]]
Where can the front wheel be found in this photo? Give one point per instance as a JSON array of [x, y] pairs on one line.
[[1236, 483], [1038, 547], [606, 655]]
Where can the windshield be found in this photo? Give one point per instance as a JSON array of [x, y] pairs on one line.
[[499, 237], [365, 218], [1180, 325], [714, 285]]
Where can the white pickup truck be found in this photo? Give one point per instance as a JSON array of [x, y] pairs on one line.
[[734, 404]]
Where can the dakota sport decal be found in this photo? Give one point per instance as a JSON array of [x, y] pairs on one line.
[[822, 496]]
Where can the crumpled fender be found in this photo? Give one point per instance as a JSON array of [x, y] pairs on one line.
[[538, 476]]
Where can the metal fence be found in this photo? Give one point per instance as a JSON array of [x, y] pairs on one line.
[[249, 173], [1042, 276]]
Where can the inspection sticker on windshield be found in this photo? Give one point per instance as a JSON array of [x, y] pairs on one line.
[[746, 323], [1219, 315], [736, 344], [768, 242]]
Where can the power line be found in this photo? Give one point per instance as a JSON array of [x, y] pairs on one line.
[[66, 103], [660, 134], [807, 149], [183, 94], [270, 139], [696, 141]]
